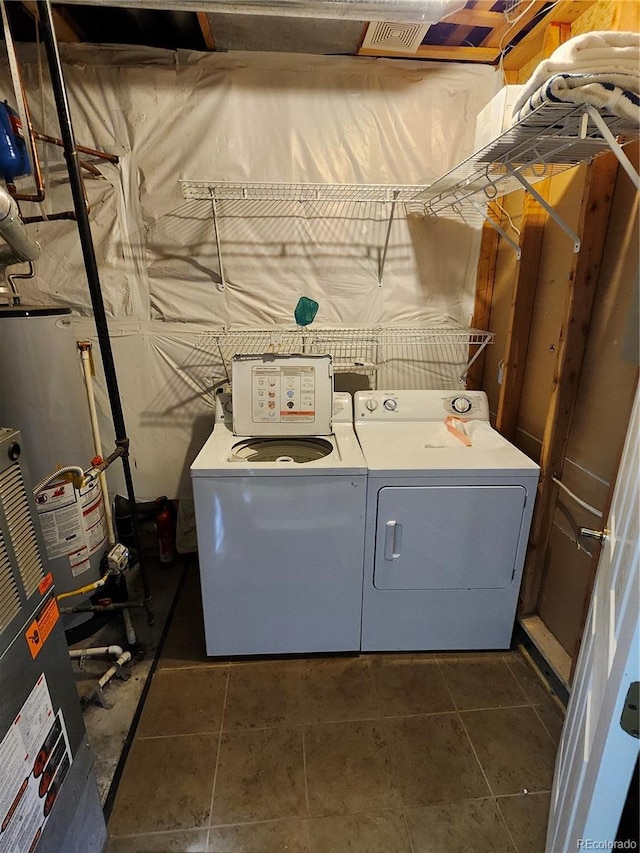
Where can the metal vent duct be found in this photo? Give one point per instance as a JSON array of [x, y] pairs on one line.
[[395, 11]]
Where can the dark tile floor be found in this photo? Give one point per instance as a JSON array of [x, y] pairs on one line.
[[414, 753]]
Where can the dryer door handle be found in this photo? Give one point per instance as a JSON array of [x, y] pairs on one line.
[[392, 540]]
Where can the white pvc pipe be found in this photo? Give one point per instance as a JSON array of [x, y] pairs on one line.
[[578, 500], [125, 657], [129, 629], [97, 443], [97, 652]]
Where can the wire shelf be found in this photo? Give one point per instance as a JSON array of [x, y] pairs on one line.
[[551, 139], [435, 356], [288, 192]]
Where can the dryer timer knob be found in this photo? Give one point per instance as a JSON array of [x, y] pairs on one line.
[[371, 404], [461, 405], [390, 405]]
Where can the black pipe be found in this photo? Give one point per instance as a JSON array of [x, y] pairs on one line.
[[91, 266], [104, 608]]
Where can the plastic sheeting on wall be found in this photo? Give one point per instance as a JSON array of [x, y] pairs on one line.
[[246, 117]]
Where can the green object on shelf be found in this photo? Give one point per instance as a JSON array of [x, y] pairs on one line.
[[306, 310]]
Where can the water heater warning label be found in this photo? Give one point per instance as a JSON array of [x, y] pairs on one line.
[[282, 394], [35, 758], [72, 522]]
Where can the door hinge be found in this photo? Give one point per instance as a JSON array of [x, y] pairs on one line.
[[630, 719]]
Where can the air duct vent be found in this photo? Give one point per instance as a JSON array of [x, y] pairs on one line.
[[396, 38], [20, 525], [9, 598]]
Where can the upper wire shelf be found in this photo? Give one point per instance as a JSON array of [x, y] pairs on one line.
[[286, 192], [552, 138], [378, 203], [549, 140], [402, 356]]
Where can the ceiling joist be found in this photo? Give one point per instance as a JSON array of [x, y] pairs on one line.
[[66, 28], [205, 27]]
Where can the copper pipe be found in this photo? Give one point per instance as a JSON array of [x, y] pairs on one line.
[[92, 152]]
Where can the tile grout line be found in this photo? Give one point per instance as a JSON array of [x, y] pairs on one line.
[[306, 788], [553, 740], [330, 814], [336, 722], [304, 763], [406, 826], [473, 749], [519, 686], [215, 773], [506, 825]]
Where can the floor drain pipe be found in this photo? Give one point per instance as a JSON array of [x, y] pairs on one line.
[[88, 251]]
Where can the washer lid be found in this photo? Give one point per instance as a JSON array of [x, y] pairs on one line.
[[276, 394]]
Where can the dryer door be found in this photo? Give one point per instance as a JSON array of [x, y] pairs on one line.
[[447, 537]]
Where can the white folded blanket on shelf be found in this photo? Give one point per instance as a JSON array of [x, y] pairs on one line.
[[599, 68], [617, 93]]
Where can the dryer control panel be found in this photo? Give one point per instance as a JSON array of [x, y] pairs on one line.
[[420, 405]]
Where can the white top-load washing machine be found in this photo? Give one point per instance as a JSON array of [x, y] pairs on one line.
[[449, 505], [280, 492]]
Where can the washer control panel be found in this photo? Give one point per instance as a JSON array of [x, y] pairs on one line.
[[420, 405]]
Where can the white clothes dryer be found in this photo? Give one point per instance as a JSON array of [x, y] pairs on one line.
[[280, 519], [449, 506]]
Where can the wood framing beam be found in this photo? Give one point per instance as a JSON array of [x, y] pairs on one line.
[[484, 297], [556, 33], [566, 12], [205, 29], [474, 17], [534, 219], [67, 29], [549, 647], [508, 30], [462, 28], [440, 51], [592, 229]]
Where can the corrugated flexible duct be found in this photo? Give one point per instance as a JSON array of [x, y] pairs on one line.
[[395, 11]]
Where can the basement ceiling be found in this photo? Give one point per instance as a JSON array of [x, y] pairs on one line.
[[482, 31]]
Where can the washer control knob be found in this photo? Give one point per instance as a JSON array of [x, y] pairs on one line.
[[390, 405], [461, 405], [371, 404]]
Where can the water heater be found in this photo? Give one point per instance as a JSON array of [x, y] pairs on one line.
[[42, 394]]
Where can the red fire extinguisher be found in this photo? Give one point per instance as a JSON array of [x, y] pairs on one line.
[[164, 531]]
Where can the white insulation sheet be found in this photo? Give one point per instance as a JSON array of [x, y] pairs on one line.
[[244, 117]]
